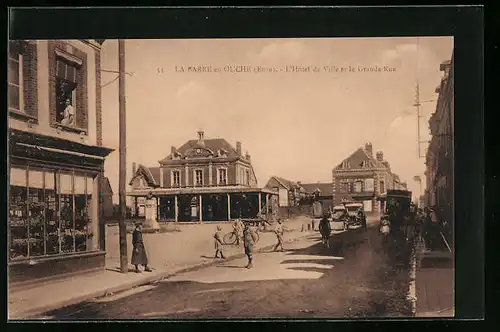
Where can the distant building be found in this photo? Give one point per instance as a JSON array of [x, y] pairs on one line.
[[320, 192], [107, 206], [365, 178], [289, 192], [203, 180]]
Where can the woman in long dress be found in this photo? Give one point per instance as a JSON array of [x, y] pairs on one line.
[[139, 256]]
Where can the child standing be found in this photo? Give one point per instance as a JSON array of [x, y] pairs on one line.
[[218, 243]]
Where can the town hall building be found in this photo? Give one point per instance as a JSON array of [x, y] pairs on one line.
[[202, 180]]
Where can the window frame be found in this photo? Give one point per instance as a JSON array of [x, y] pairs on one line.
[[172, 178], [20, 62], [360, 187], [195, 178], [219, 172]]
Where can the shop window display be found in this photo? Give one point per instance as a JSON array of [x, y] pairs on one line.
[[49, 213]]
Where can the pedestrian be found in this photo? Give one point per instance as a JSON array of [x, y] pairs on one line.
[[325, 230], [238, 229], [279, 234], [218, 243], [249, 241], [139, 256]]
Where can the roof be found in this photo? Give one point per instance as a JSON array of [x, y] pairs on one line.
[[212, 144], [326, 189], [151, 175], [286, 183], [106, 186], [361, 151]]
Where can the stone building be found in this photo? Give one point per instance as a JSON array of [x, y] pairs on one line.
[[203, 180], [56, 159], [439, 172], [365, 178]]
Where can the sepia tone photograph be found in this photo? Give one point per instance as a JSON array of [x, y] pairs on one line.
[[231, 178]]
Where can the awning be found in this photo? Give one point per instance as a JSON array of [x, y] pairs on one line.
[[200, 190]]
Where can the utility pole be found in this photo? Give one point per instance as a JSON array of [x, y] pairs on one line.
[[123, 160]]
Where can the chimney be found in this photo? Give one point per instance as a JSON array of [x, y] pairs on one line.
[[380, 156], [238, 148], [247, 156], [134, 168], [201, 138], [173, 150], [368, 148]]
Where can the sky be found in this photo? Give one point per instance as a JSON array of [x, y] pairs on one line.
[[296, 125]]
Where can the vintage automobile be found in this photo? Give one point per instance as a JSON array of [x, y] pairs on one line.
[[339, 223], [352, 212]]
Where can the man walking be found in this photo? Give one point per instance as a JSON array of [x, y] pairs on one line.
[[249, 241], [325, 230], [279, 234], [218, 243]]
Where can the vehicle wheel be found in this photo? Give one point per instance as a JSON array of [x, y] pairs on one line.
[[229, 238]]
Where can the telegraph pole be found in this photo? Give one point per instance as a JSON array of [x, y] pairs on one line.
[[123, 160]]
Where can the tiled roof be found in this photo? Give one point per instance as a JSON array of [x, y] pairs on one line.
[[326, 189], [213, 144], [286, 183], [151, 174], [375, 162]]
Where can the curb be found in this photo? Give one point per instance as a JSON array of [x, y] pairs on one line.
[[37, 311]]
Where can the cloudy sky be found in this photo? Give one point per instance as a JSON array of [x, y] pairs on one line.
[[297, 125]]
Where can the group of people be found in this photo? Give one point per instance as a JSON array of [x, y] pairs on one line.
[[249, 238]]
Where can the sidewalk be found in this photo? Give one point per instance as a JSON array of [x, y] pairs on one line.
[[434, 282], [167, 254]]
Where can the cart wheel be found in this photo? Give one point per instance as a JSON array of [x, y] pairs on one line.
[[230, 238]]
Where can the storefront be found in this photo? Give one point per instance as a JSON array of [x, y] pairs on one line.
[[54, 224]]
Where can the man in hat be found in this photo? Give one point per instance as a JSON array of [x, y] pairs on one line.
[[139, 256], [279, 234], [325, 230], [218, 243], [249, 241]]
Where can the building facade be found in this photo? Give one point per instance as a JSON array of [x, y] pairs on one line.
[[365, 178], [439, 173], [203, 180], [290, 193], [56, 159], [320, 192]]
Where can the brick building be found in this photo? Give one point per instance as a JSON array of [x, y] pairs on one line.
[[56, 159], [439, 158], [365, 178], [203, 180]]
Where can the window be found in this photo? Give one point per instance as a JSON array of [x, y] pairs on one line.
[[66, 85], [344, 187], [222, 178], [358, 186], [369, 184], [15, 80], [49, 212], [198, 177], [382, 187], [247, 173], [176, 178], [345, 164]]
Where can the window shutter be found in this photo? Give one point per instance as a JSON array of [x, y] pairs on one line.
[[81, 92], [30, 79]]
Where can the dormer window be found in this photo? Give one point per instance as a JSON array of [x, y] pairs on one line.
[[345, 164], [222, 153]]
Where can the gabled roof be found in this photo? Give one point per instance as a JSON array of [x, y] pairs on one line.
[[287, 184], [325, 189], [212, 144], [106, 186], [365, 154], [150, 174]]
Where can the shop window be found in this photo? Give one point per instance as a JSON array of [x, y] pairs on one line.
[[49, 213], [15, 80]]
